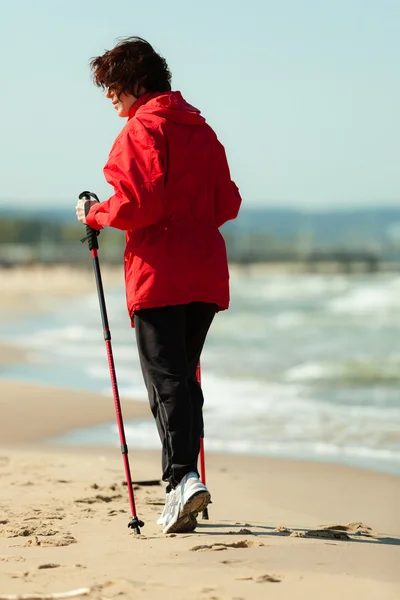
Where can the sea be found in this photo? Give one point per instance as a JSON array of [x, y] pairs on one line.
[[303, 366]]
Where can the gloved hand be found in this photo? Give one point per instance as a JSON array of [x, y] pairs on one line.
[[80, 209]]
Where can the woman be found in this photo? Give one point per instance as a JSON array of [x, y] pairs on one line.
[[172, 192]]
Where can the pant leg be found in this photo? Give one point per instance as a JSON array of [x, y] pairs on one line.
[[160, 423], [199, 316], [161, 340]]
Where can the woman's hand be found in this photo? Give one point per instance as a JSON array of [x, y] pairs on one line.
[[80, 209]]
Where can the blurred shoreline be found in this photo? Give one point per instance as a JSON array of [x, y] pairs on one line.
[[32, 289]]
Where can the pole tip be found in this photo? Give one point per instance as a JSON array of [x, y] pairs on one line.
[[135, 524]]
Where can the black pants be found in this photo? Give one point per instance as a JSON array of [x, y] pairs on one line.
[[170, 340]]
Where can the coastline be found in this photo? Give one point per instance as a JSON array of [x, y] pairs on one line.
[[61, 410], [32, 289]]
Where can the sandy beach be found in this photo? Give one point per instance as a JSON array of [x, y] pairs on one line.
[[277, 529]]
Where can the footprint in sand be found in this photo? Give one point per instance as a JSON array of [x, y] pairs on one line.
[[49, 566], [25, 576], [356, 528], [282, 530], [340, 531], [331, 532], [327, 534], [42, 529], [208, 590], [261, 579], [113, 512], [153, 502], [50, 516], [241, 532], [5, 558], [88, 513], [65, 539], [268, 578], [17, 531], [99, 498], [230, 562], [221, 546]]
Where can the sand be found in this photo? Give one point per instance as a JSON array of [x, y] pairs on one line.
[[278, 528]]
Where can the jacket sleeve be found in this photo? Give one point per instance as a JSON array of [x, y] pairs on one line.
[[227, 196], [135, 169]]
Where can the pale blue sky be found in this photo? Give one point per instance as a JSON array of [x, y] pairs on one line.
[[305, 94]]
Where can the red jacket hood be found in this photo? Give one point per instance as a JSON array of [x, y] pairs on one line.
[[168, 105]]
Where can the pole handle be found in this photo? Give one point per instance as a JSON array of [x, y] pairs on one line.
[[91, 234]]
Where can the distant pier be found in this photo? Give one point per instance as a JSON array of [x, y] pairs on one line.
[[343, 261]]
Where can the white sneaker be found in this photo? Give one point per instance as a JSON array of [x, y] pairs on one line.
[[186, 527], [161, 520], [171, 509], [189, 498]]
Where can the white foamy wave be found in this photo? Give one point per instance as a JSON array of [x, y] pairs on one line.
[[288, 411], [130, 380], [137, 391], [239, 396], [56, 337], [143, 435], [369, 299], [275, 287], [122, 354], [240, 325], [357, 452], [274, 419], [312, 371], [282, 410], [361, 371]]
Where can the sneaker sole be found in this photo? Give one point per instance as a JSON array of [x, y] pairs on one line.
[[196, 503], [185, 524], [192, 522]]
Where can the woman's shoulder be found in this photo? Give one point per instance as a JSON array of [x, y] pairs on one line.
[[132, 129]]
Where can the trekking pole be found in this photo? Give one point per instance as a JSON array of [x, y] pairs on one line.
[[204, 514], [91, 238]]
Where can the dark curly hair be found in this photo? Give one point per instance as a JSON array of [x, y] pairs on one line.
[[131, 65]]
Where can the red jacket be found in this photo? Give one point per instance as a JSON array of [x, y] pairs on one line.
[[172, 192]]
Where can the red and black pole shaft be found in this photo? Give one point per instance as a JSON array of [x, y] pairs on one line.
[[91, 237], [202, 453]]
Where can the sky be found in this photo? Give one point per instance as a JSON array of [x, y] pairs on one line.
[[304, 94]]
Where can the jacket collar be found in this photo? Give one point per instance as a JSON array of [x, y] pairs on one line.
[[140, 101]]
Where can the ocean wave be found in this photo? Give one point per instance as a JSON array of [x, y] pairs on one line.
[[362, 371], [273, 287], [56, 336], [377, 299], [143, 435]]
